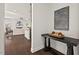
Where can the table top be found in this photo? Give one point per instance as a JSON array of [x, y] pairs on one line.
[[68, 40]]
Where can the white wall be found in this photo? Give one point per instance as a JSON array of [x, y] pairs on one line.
[[40, 25], [73, 25], [1, 28], [43, 22]]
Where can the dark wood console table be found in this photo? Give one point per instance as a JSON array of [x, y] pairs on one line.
[[67, 40]]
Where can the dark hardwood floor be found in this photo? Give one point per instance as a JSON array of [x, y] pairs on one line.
[[19, 45]]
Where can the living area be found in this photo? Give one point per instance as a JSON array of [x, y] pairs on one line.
[[53, 29], [17, 25]]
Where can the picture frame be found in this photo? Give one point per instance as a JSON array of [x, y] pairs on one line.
[[61, 19]]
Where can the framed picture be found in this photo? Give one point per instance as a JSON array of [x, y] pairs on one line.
[[61, 19], [19, 24]]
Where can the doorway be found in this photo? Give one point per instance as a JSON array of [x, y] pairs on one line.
[[17, 26]]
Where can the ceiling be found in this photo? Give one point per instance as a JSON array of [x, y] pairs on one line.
[[17, 10]]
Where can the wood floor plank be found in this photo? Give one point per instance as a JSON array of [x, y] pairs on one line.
[[19, 45]]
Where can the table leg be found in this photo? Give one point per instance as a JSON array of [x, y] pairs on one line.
[[48, 42], [70, 49], [45, 45]]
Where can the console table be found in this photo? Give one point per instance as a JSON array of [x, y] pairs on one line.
[[67, 40]]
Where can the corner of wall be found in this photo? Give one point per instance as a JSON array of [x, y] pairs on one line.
[[36, 49]]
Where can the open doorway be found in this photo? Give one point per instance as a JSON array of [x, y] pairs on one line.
[[17, 26]]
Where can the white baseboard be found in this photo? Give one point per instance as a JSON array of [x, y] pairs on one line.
[[36, 49]]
